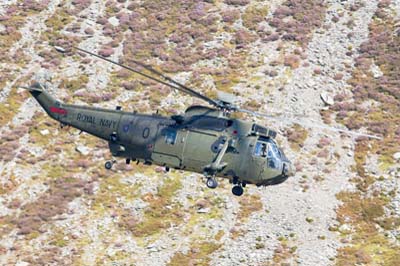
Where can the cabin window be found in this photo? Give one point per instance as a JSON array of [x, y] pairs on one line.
[[210, 123], [170, 136]]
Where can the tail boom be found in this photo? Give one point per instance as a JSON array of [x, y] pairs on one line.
[[96, 121]]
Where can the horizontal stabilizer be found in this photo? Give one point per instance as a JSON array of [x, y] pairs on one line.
[[34, 87]]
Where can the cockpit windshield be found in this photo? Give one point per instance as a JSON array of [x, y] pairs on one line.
[[267, 148], [273, 151]]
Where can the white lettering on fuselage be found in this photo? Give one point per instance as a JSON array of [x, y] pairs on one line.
[[92, 120]]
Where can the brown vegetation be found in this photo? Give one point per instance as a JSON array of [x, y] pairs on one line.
[[381, 49], [248, 205], [295, 20], [253, 15], [361, 210], [198, 254], [54, 202], [160, 214], [237, 2], [75, 84], [292, 61], [283, 253], [296, 137], [10, 105]]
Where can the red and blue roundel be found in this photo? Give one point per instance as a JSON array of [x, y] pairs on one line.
[[125, 128], [57, 110]]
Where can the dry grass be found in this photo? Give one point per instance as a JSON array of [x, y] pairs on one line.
[[361, 210], [73, 85], [198, 254], [161, 213], [253, 15], [59, 20], [292, 61], [283, 253], [295, 20], [249, 204], [296, 137], [9, 107], [53, 202]]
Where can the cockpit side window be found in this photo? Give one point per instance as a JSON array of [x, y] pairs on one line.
[[170, 136]]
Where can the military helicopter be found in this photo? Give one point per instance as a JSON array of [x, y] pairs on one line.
[[203, 139]]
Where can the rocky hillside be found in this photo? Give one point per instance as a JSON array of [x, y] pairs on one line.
[[59, 206]]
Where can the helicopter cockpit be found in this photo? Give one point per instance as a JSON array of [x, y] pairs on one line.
[[267, 148]]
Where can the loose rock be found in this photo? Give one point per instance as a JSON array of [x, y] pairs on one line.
[[44, 132], [82, 149], [327, 99]]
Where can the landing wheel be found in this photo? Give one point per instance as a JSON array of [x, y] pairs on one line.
[[237, 190], [211, 182], [108, 165]]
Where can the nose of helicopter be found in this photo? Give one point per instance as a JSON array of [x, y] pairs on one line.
[[292, 170], [289, 169]]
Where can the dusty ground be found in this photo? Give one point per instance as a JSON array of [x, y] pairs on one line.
[[58, 205]]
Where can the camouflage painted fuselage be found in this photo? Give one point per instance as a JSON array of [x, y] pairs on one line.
[[189, 142]]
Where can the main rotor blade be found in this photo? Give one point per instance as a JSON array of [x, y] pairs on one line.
[[273, 115], [183, 87], [310, 124], [178, 86], [62, 50]]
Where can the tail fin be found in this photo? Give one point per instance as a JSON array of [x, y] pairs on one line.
[[44, 99], [34, 87]]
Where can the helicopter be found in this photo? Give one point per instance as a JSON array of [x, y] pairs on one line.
[[205, 140]]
